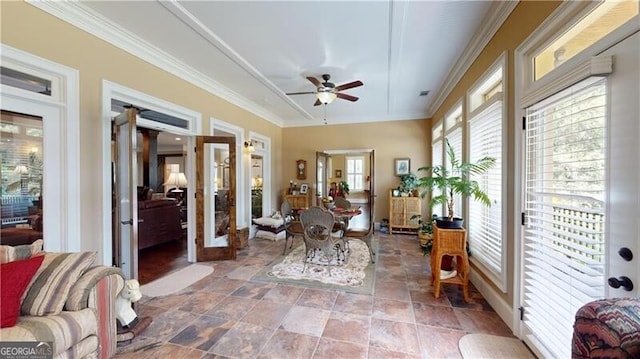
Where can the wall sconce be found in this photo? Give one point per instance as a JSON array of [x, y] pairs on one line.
[[248, 145]]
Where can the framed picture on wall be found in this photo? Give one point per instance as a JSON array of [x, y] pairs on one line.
[[304, 188], [338, 173], [402, 166]]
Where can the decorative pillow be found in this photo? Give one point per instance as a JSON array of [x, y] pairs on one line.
[[53, 281], [16, 253], [14, 278]]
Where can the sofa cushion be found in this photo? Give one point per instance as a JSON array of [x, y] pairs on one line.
[[64, 330], [14, 279], [269, 221], [16, 253], [53, 281]]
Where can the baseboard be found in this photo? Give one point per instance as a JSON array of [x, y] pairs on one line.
[[493, 297]]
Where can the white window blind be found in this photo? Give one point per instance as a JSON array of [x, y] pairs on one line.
[[436, 160], [564, 237], [455, 140], [485, 223]]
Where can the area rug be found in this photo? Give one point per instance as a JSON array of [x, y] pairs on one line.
[[176, 281], [356, 276], [479, 346]]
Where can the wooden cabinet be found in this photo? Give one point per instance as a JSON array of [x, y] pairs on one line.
[[298, 201], [400, 211]]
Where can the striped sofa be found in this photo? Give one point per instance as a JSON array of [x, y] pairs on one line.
[[86, 327]]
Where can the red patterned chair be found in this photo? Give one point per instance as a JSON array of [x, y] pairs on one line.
[[607, 328]]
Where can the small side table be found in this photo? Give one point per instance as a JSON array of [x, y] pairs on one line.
[[452, 242]]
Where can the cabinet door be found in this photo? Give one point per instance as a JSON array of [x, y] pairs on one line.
[[397, 212], [412, 208]]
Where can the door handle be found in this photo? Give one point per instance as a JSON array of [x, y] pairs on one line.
[[130, 221], [623, 281]]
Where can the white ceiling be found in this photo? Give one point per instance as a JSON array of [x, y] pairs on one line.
[[252, 53]]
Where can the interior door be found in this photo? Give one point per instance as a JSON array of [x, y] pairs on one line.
[[126, 212], [215, 198]]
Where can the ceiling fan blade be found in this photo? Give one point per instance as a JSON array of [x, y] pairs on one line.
[[314, 81], [300, 93], [317, 103], [344, 96], [349, 85]]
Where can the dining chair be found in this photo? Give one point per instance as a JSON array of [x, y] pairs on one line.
[[317, 223], [292, 226], [364, 234], [342, 203]]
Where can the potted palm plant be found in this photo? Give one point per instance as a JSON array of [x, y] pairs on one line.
[[454, 179]]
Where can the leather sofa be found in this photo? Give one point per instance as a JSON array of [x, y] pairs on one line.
[[159, 221]]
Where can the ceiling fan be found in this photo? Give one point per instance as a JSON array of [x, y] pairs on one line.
[[327, 91]]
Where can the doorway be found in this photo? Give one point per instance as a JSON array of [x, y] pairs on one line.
[[353, 168], [121, 244]]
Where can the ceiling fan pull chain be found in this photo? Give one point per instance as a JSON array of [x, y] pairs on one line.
[[325, 113]]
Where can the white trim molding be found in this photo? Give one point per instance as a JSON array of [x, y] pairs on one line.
[[498, 13], [82, 17]]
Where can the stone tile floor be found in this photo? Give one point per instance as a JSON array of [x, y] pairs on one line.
[[226, 315]]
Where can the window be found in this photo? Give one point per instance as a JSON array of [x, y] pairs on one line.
[[565, 209], [453, 134], [355, 173], [486, 138], [437, 153], [601, 21]]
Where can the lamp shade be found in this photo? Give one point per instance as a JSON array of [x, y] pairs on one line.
[[176, 180], [21, 169], [326, 97]]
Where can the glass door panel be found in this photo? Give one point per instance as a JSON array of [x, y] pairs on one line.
[[22, 178]]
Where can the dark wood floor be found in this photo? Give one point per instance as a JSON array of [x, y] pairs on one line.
[[157, 261]]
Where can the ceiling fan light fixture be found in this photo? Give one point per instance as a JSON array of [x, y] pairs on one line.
[[326, 97]]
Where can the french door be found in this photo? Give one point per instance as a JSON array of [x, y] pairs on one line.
[[581, 199], [215, 198], [125, 244]]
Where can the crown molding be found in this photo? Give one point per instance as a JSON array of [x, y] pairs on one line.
[[497, 14], [88, 20]]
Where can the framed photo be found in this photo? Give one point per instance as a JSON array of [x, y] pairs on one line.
[[338, 174], [304, 188], [402, 166]]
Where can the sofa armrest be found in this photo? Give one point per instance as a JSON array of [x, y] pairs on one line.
[[98, 288]]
